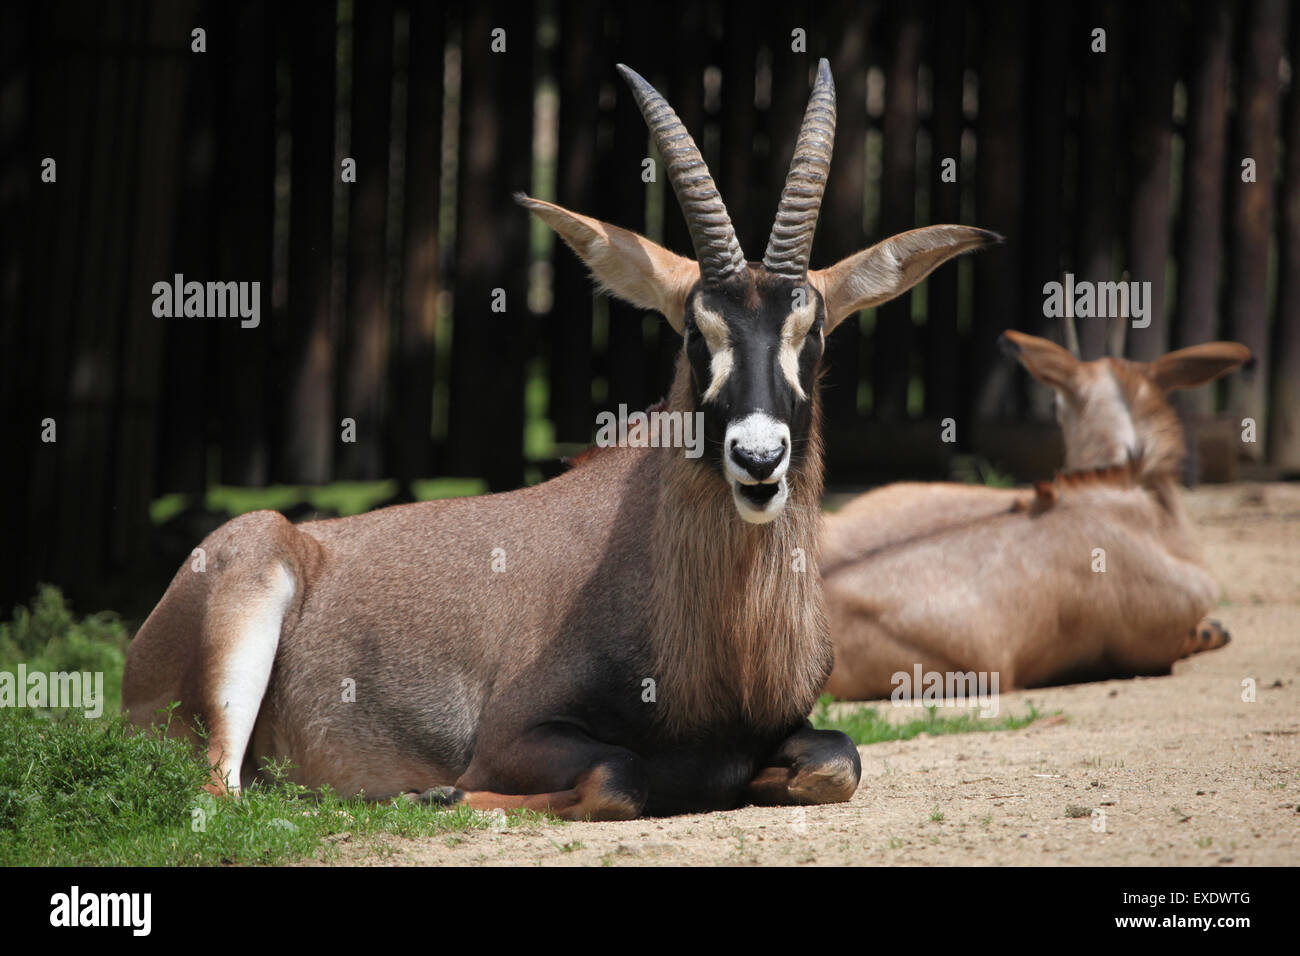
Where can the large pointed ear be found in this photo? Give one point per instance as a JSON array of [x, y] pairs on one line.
[[890, 268], [1196, 365], [624, 264], [1043, 359]]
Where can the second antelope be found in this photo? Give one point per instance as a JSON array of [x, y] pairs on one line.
[[650, 645], [960, 579]]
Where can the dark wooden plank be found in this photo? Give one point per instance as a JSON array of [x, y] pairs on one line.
[[302, 397], [87, 427], [843, 28], [895, 337], [1200, 255], [488, 348], [1044, 222], [738, 174], [1099, 205], [1284, 405], [1000, 175], [942, 342], [151, 180], [1251, 215], [241, 48], [364, 360], [579, 70], [190, 383], [1152, 131], [26, 137], [778, 125], [622, 198], [411, 425]]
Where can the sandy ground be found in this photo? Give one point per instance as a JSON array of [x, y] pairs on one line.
[[1170, 770]]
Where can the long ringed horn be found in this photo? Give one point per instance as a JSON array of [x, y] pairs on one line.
[[790, 244], [716, 247]]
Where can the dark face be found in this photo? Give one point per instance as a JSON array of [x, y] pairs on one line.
[[754, 346]]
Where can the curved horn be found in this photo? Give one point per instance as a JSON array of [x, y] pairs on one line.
[[716, 247], [790, 244]]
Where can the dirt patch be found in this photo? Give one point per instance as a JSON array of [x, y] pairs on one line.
[[1170, 770]]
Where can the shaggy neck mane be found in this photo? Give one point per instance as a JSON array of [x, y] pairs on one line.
[[739, 627], [1137, 472]]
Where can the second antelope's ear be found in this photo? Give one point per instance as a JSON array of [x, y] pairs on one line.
[[1043, 359], [1197, 364], [890, 268], [624, 264]]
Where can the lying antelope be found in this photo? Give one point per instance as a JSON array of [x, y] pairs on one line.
[[960, 578], [642, 634]]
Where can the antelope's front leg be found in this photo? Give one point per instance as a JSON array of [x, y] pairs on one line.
[[555, 768], [812, 766], [1209, 635]]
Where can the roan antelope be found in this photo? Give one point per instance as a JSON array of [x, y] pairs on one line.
[[650, 644], [962, 579]]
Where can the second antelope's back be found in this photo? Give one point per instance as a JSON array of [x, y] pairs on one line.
[[631, 636], [1094, 574]]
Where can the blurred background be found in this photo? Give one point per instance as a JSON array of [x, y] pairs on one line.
[[376, 295]]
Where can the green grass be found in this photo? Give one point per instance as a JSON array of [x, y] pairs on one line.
[[539, 431], [78, 791], [47, 637], [865, 725], [974, 470], [344, 497]]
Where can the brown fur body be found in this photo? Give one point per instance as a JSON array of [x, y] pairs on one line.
[[960, 578], [745, 657], [645, 633]]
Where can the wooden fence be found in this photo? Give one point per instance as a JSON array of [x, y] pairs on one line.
[[377, 295]]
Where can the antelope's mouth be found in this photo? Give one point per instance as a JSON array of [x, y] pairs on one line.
[[761, 501]]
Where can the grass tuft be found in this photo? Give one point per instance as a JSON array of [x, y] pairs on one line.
[[75, 792], [48, 637], [84, 792], [865, 725]]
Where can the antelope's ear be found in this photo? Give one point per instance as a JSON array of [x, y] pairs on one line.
[[890, 268], [1196, 365], [624, 264], [1043, 359]]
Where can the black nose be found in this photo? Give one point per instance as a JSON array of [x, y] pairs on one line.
[[758, 464]]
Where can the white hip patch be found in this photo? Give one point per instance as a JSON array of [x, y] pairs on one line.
[[246, 671]]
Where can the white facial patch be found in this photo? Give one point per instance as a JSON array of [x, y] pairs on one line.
[[762, 437], [713, 327], [719, 370], [718, 338], [770, 511], [1110, 437], [793, 331]]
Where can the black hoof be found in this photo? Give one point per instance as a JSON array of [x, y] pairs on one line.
[[1212, 634]]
